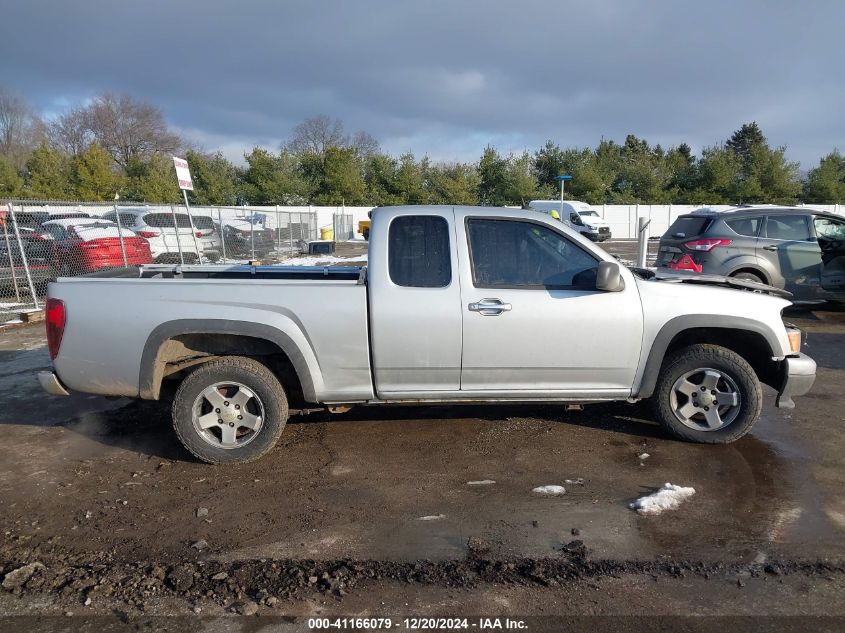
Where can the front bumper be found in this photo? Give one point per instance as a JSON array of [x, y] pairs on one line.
[[51, 384], [597, 237], [798, 373]]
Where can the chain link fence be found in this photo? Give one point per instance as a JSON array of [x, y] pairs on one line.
[[44, 240]]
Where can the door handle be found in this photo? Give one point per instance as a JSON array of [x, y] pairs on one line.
[[771, 247], [489, 307]]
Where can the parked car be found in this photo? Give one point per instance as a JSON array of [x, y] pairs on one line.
[[458, 304], [13, 277], [799, 249], [578, 216], [209, 235], [246, 240], [166, 232], [91, 244], [34, 220]]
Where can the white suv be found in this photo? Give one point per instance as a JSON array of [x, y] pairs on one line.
[[159, 228]]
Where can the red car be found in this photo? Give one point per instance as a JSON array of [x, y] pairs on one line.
[[86, 245]]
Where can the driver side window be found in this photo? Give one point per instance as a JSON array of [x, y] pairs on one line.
[[517, 254]]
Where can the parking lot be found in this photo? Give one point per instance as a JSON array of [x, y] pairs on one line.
[[430, 508]]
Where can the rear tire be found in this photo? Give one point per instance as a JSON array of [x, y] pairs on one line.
[[230, 410], [707, 394], [749, 276]]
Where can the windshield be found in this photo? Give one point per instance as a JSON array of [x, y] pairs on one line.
[[591, 214]]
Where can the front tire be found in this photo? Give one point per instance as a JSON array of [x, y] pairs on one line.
[[230, 410], [707, 394]]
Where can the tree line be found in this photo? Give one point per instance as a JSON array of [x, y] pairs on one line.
[[118, 145]]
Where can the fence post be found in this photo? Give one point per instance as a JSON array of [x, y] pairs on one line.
[[23, 256], [290, 231], [120, 233], [222, 232], [278, 233], [11, 259], [642, 240], [178, 241]]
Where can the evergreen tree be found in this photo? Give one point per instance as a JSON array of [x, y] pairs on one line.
[[273, 179], [493, 178], [215, 179], [520, 183], [744, 140], [381, 180], [152, 181], [11, 184], [95, 176], [825, 183], [343, 181], [49, 175]]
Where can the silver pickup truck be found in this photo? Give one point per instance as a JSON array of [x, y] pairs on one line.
[[456, 305]]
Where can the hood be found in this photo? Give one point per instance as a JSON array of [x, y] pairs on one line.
[[679, 276], [592, 220]]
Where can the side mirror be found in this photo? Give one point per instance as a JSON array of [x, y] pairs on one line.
[[609, 277]]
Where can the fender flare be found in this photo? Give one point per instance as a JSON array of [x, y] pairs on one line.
[[151, 370], [648, 379]]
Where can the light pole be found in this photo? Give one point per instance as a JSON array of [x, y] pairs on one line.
[[562, 178]]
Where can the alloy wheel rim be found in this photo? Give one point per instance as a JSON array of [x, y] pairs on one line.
[[228, 415], [705, 399]]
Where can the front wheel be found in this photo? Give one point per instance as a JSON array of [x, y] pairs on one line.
[[230, 410], [707, 394]]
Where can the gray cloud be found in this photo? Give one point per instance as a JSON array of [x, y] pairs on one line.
[[446, 78]]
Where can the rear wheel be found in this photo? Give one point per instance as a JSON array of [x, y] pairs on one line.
[[231, 410], [707, 394], [747, 275]]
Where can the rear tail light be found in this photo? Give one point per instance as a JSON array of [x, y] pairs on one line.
[[198, 233], [686, 263], [148, 233], [706, 245], [55, 317]]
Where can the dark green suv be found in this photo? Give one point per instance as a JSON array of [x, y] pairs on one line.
[[799, 249]]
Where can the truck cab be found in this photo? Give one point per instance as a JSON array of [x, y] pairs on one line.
[[579, 216]]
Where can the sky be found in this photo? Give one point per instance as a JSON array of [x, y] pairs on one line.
[[446, 78]]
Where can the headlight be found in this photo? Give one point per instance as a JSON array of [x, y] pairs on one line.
[[794, 336]]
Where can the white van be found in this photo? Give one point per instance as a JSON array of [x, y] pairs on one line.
[[576, 215]]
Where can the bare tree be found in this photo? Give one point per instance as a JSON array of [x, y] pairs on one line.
[[70, 132], [365, 144], [316, 135], [21, 129], [129, 129]]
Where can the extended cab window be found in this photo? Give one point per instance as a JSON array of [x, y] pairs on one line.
[[418, 252], [515, 254], [787, 227]]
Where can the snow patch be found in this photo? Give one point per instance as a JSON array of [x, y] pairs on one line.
[[574, 482], [669, 497], [644, 456], [432, 517], [483, 482], [320, 260], [550, 490]]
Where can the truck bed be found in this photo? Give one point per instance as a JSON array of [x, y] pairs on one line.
[[320, 312], [238, 271]]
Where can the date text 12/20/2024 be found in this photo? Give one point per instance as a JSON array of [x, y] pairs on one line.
[[417, 624]]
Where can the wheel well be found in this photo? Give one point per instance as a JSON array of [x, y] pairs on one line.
[[753, 271], [752, 346], [178, 355]]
